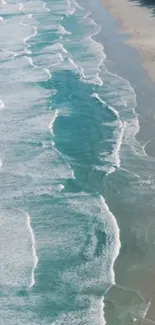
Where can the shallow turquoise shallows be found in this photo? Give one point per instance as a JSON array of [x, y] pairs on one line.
[[67, 142]]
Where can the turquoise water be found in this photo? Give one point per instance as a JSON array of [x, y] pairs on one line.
[[68, 129]]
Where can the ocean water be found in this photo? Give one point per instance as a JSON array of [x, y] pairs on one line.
[[67, 146]]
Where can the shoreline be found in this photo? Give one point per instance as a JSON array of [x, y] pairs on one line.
[[140, 31], [125, 61], [131, 300]]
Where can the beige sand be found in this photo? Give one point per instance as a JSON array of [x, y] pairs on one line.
[[140, 24]]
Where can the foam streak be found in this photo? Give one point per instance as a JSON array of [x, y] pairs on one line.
[[45, 7], [2, 105], [48, 73], [52, 121], [116, 234], [33, 250]]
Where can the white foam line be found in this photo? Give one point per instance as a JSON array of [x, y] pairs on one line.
[[29, 59], [110, 171], [1, 164], [95, 95], [31, 62], [50, 126], [1, 18], [73, 63], [60, 187], [56, 113], [2, 105], [99, 81], [87, 15], [33, 249], [72, 10], [82, 75], [116, 235], [114, 157], [26, 51], [115, 154], [63, 31], [118, 144], [57, 63], [93, 22], [61, 155], [60, 56], [28, 37], [48, 73], [146, 310], [130, 88], [129, 172], [21, 7], [78, 6], [62, 48], [144, 146], [134, 105], [102, 305], [31, 16], [13, 53], [45, 7], [32, 35], [72, 172]]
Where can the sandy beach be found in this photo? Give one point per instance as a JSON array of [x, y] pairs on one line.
[[139, 23]]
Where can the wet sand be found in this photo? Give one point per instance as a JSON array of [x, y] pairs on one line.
[[132, 299], [139, 23]]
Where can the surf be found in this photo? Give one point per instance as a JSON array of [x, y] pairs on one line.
[[67, 123]]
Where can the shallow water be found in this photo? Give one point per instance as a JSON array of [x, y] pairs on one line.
[[68, 156]]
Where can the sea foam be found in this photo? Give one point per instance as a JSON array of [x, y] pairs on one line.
[[2, 105], [114, 157], [35, 258], [55, 115], [115, 233]]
